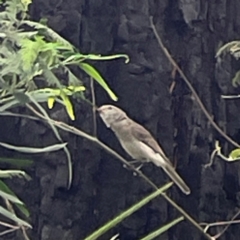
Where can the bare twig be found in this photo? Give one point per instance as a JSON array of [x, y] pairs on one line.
[[8, 231], [8, 225], [198, 100], [229, 224], [10, 208], [214, 153], [78, 132], [25, 233]]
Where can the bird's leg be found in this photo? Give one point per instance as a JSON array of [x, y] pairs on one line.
[[133, 164]]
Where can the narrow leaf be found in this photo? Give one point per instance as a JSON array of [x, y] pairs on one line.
[[19, 162], [13, 173], [68, 106], [9, 197], [21, 207], [51, 148], [13, 217], [163, 229], [125, 214], [50, 102], [91, 71]]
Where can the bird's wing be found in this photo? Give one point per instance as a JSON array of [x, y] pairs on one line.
[[139, 132]]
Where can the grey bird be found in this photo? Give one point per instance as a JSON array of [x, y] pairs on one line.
[[138, 142]]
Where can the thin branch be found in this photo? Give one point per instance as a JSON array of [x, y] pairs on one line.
[[10, 208], [78, 132], [93, 107], [8, 225], [198, 100], [8, 231], [216, 224], [214, 153], [25, 233], [225, 229]]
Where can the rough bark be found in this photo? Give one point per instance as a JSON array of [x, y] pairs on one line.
[[192, 31]]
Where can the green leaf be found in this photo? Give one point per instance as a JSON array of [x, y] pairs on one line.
[[49, 33], [51, 78], [163, 229], [19, 162], [21, 207], [29, 51], [127, 213], [10, 198], [50, 102], [13, 217], [234, 155], [51, 148], [68, 106], [9, 104], [91, 71], [72, 79]]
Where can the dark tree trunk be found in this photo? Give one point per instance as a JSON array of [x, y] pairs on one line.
[[102, 188]]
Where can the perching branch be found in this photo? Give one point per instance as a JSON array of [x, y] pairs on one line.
[[78, 132]]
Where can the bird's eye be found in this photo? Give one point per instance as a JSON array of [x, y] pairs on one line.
[[109, 107]]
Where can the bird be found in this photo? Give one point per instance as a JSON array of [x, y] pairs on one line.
[[138, 142]]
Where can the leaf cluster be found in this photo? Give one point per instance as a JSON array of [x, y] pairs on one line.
[[31, 55]]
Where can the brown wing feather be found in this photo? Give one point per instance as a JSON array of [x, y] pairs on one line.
[[145, 136]]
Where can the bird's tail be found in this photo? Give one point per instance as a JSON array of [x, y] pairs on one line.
[[176, 178]]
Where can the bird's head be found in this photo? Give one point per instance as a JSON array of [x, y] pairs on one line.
[[111, 114]]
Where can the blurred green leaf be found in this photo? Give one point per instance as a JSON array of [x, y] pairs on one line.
[[68, 106], [19, 162], [13, 217], [51, 148], [96, 234], [163, 229], [49, 33], [91, 71], [9, 197], [21, 207]]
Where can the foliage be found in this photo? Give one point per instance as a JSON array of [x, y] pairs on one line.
[[163, 229], [233, 48], [127, 213], [35, 64]]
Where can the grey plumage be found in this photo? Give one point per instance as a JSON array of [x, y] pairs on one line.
[[138, 142]]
